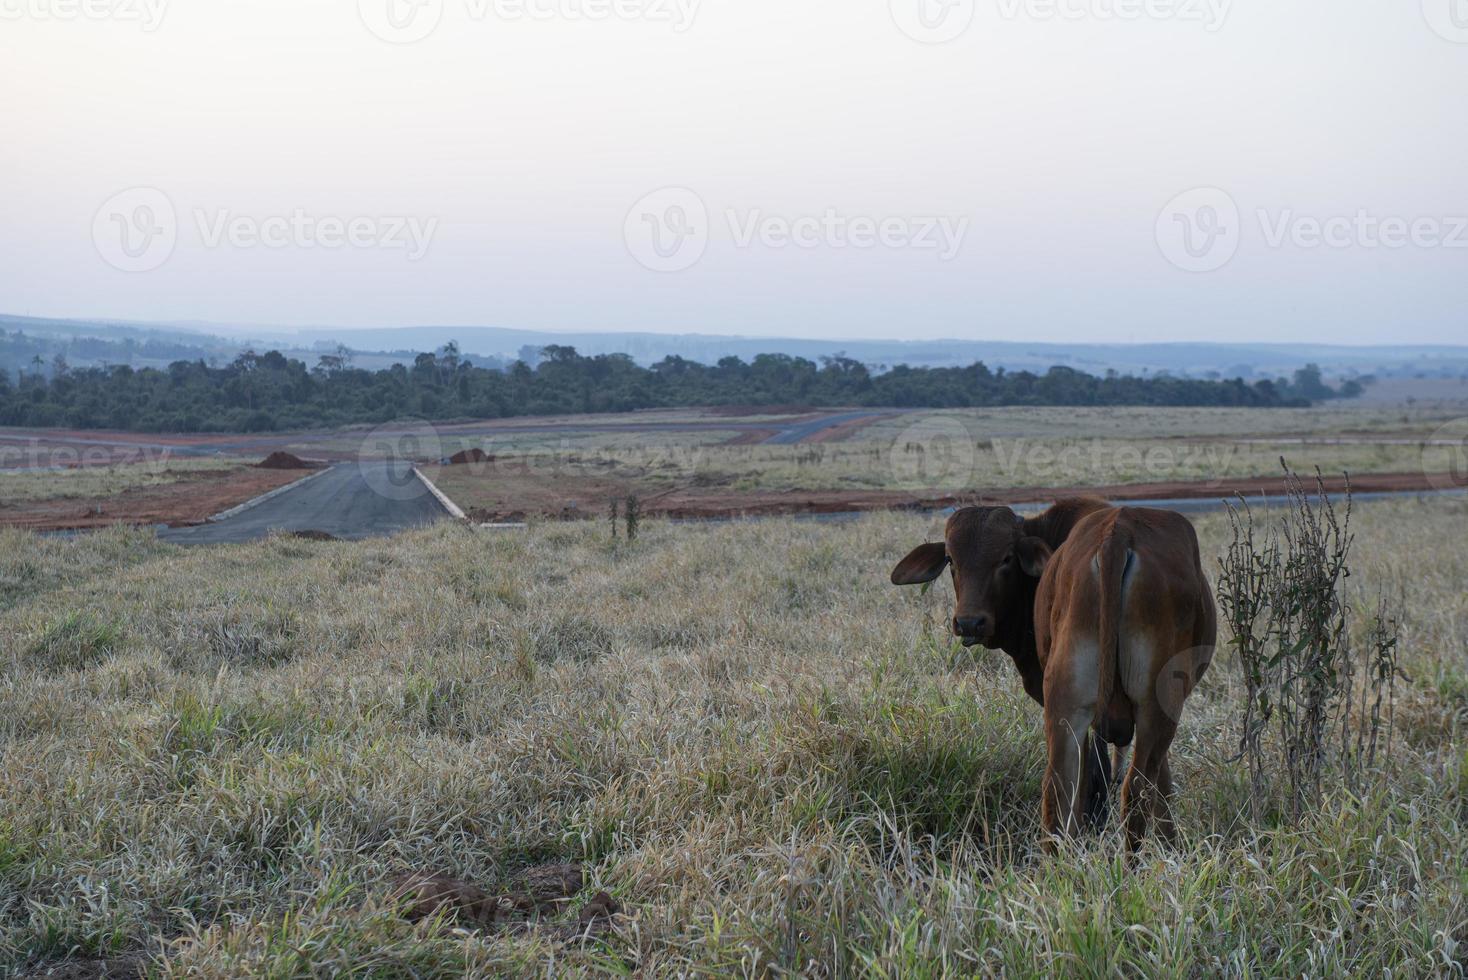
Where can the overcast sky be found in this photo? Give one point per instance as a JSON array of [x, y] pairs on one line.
[[1124, 170]]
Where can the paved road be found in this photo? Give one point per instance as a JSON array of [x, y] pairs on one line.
[[801, 431], [350, 500]]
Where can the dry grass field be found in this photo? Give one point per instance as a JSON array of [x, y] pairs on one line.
[[911, 465], [576, 464], [25, 486], [929, 454], [775, 762], [1327, 419]]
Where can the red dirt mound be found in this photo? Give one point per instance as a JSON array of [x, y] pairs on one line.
[[475, 455], [283, 461]]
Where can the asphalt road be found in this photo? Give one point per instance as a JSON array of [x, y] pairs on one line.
[[798, 432], [351, 501]]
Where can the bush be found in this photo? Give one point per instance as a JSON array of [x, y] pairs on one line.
[[1281, 590]]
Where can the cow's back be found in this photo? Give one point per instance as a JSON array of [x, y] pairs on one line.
[[1166, 609]]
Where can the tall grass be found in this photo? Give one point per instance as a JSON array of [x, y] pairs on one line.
[[774, 761]]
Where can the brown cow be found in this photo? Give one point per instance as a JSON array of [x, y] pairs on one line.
[[1109, 618]]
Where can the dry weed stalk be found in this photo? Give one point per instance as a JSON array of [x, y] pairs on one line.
[[1281, 591]]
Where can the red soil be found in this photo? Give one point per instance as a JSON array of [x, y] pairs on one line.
[[753, 437], [844, 431], [694, 503], [191, 500]]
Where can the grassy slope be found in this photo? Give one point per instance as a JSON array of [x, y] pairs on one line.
[[769, 755]]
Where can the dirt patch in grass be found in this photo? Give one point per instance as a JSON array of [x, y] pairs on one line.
[[753, 437], [193, 499], [693, 504], [115, 968], [541, 894], [510, 492], [587, 498], [844, 431]]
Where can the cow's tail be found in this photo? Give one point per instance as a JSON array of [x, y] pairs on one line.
[[1113, 564]]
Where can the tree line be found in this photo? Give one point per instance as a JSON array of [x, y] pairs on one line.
[[269, 392]]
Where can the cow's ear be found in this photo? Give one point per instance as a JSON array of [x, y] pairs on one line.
[[1033, 553], [925, 563]]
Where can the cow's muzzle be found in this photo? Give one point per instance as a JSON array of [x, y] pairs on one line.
[[974, 630]]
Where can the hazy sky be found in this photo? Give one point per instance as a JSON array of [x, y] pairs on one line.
[[1054, 169]]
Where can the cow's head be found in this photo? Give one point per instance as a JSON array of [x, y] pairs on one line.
[[996, 566]]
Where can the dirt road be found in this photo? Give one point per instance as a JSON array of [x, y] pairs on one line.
[[694, 503]]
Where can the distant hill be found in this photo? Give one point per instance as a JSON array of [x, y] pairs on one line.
[[375, 348], [1249, 361]]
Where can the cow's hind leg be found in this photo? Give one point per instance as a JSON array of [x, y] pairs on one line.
[[1162, 809], [1068, 715], [1096, 782], [1142, 794]]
